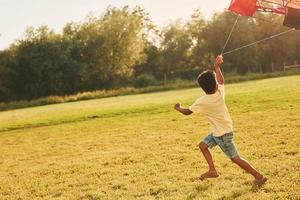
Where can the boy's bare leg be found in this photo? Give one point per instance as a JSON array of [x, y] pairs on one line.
[[244, 164], [212, 173]]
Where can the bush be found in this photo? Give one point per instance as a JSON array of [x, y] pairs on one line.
[[145, 80]]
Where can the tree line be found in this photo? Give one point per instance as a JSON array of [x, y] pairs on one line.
[[124, 47]]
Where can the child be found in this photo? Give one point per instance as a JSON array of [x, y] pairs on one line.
[[213, 106]]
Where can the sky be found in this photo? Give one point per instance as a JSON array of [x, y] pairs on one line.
[[17, 15]]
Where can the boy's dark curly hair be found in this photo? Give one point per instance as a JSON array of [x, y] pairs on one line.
[[207, 81]]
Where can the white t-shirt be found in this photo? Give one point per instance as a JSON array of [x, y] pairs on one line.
[[214, 108]]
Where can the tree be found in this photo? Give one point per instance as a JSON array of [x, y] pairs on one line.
[[43, 66], [6, 60], [152, 64], [199, 54], [175, 48], [111, 45]]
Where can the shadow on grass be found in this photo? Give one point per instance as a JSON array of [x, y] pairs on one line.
[[233, 195], [129, 113], [197, 191]]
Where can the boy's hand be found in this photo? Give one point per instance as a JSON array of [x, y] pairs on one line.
[[218, 61], [177, 106], [182, 110]]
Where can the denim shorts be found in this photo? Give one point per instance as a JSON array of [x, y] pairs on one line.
[[225, 142]]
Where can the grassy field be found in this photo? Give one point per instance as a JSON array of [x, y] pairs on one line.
[[138, 147], [172, 85]]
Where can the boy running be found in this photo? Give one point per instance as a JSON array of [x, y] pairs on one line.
[[213, 106]]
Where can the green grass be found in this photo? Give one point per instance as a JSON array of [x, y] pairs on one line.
[[173, 84], [138, 147]]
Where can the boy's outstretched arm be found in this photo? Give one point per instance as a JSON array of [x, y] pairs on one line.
[[182, 110], [219, 75]]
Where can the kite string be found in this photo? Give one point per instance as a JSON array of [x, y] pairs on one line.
[[229, 36], [265, 39]]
